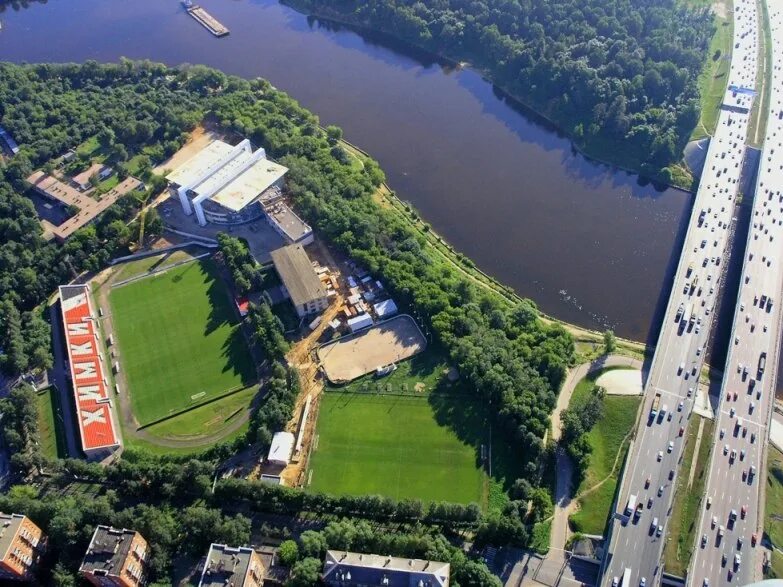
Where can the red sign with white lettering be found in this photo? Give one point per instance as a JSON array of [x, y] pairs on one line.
[[96, 426]]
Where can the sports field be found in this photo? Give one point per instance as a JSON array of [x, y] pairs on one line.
[[179, 342], [394, 445]]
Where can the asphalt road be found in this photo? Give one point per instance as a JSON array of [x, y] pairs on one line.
[[737, 470], [637, 541]]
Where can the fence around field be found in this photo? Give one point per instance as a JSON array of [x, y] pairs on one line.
[[352, 356]]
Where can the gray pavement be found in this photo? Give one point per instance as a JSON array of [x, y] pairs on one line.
[[731, 521], [638, 529]]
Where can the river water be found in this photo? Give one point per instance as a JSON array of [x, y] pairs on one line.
[[591, 245]]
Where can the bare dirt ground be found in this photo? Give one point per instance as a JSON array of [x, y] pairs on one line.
[[199, 138], [353, 356], [300, 356], [621, 382]]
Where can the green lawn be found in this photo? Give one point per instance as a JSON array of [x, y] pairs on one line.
[[714, 76], [607, 440], [687, 500], [179, 342], [773, 510], [209, 419], [394, 445], [50, 425]]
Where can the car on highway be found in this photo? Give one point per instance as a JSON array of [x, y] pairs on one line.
[[743, 511], [670, 447], [643, 582], [753, 539], [752, 437], [660, 491], [681, 404], [647, 482], [725, 449], [722, 433], [737, 560], [660, 455], [649, 502], [681, 432], [721, 531], [703, 540], [733, 455], [709, 502], [742, 454], [714, 522], [659, 531]]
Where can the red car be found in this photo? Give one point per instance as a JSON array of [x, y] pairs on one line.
[[753, 539], [744, 511], [728, 397], [647, 483], [735, 396], [682, 430]]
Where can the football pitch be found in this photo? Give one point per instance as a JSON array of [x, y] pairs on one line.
[[179, 342], [393, 445]]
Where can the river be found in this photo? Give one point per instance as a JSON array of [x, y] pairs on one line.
[[590, 244]]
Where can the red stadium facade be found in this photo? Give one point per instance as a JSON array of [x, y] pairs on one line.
[[97, 428]]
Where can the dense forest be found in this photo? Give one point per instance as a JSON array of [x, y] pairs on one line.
[[619, 76], [504, 351]]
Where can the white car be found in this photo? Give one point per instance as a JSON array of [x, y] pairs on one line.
[[671, 446], [660, 455]]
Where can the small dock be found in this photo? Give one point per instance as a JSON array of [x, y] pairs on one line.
[[208, 21]]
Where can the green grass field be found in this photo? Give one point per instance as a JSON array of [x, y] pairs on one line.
[[393, 445], [773, 510], [179, 342], [607, 439], [50, 425], [714, 76], [682, 527]]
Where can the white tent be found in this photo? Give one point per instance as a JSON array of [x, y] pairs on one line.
[[385, 308], [281, 449], [359, 322]]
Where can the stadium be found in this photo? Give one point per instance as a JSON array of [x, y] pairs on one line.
[[229, 185]]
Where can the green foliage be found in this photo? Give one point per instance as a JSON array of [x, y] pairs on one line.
[[305, 573], [267, 331], [608, 72], [577, 421], [288, 553], [20, 428], [244, 270], [610, 341]]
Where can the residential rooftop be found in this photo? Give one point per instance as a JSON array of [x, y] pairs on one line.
[[353, 568], [233, 566]]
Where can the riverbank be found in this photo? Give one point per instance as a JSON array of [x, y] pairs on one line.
[[589, 342], [612, 153]]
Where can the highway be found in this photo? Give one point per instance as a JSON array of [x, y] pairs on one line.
[[636, 540], [737, 469]]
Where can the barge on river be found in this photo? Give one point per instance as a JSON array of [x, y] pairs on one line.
[[205, 19]]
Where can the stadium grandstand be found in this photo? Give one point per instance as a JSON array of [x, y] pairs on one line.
[[97, 428], [222, 184]]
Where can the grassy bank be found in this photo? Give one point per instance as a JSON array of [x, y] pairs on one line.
[[687, 499], [773, 509], [50, 425], [715, 75], [609, 440]]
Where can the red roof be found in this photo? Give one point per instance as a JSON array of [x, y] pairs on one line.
[[96, 426], [243, 305]]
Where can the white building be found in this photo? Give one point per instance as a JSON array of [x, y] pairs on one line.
[[281, 449], [359, 322], [225, 184], [385, 309]]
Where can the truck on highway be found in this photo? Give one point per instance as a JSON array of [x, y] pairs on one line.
[[630, 505], [689, 271], [692, 319], [680, 311], [655, 405], [687, 313], [626, 582], [762, 364]]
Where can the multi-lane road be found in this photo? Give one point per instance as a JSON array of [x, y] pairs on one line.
[[730, 522], [637, 539]]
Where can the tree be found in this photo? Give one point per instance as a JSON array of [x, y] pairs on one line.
[[610, 342], [312, 544], [288, 553], [305, 572]]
